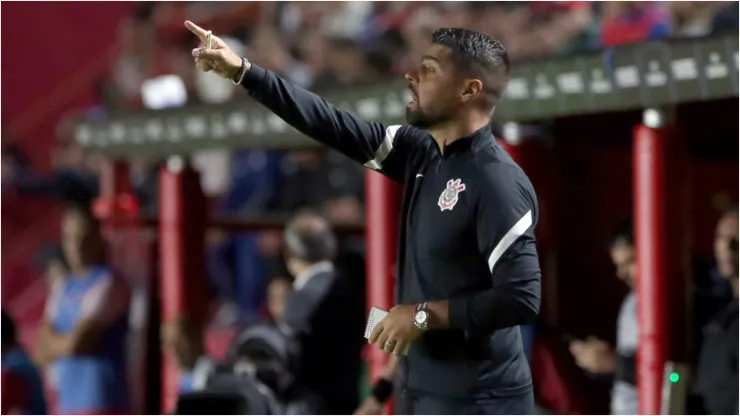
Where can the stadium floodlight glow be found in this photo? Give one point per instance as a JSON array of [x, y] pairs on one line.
[[512, 133], [653, 118], [175, 164]]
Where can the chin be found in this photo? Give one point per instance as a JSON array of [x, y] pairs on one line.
[[416, 118]]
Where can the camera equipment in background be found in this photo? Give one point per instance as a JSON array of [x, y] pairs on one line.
[[259, 378]]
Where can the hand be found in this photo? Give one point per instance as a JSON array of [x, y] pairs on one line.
[[396, 331], [370, 406], [219, 59], [593, 355]]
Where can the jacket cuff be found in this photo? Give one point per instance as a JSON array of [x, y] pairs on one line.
[[458, 313], [253, 77]]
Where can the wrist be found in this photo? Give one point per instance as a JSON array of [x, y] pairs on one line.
[[238, 77], [439, 314]]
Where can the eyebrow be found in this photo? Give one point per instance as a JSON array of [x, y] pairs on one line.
[[429, 57]]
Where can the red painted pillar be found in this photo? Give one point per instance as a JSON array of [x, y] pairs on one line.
[[182, 226], [382, 216], [649, 163], [662, 236]]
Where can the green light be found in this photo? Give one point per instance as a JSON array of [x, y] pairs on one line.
[[674, 377]]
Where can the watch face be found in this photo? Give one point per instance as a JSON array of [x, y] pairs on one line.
[[420, 317]]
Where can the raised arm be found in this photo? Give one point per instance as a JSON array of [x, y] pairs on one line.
[[377, 146]]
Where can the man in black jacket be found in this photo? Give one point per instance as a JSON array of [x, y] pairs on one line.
[[321, 314], [468, 268], [717, 370]]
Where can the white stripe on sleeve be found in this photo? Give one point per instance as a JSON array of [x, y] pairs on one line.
[[384, 149], [509, 238]]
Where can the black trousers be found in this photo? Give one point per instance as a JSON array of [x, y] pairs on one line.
[[416, 404]]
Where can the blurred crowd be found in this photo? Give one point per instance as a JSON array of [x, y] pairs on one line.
[[322, 45], [318, 45]]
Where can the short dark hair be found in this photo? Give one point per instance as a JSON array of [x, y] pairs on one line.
[[624, 232], [479, 55], [9, 335]]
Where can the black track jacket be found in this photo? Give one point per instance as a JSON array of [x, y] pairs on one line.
[[467, 235]]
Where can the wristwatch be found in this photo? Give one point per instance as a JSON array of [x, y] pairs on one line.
[[421, 317]]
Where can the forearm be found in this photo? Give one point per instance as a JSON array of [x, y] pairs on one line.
[[84, 339], [314, 116], [51, 345], [488, 310]]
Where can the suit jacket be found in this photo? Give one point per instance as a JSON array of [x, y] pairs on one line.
[[322, 314]]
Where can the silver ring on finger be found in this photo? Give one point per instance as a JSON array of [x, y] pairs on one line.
[[389, 344]]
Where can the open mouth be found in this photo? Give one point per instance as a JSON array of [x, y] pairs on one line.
[[414, 98]]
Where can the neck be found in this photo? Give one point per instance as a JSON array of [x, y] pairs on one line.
[[297, 267], [79, 270], [447, 132]]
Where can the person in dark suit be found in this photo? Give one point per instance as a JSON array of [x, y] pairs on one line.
[[322, 315]]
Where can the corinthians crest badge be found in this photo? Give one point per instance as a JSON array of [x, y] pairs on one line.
[[448, 199]]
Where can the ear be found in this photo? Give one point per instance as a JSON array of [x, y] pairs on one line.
[[471, 89]]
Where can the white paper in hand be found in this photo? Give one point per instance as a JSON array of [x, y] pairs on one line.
[[377, 315]]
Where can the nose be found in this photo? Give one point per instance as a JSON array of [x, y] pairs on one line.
[[410, 77]]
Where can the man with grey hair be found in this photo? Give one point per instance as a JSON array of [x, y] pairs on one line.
[[320, 313]]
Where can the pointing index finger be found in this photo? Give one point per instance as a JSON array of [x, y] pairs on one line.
[[197, 30]]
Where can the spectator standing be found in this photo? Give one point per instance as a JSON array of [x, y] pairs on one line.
[[22, 388], [83, 332], [596, 356], [717, 372], [321, 314], [712, 290]]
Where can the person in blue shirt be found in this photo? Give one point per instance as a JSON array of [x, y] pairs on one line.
[[83, 333], [22, 388]]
